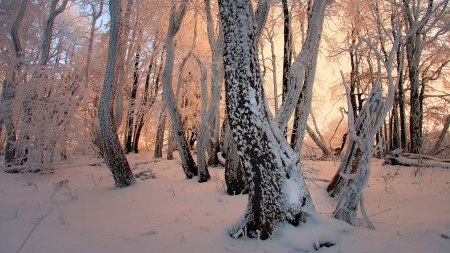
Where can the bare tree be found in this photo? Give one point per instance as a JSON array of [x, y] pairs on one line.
[[114, 157], [177, 14]]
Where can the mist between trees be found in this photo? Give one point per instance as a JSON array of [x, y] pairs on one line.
[[232, 82]]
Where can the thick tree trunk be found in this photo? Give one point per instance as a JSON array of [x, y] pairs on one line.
[[188, 164], [114, 157], [277, 191], [351, 161]]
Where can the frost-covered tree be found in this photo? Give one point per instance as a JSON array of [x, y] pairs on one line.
[[277, 191], [113, 154], [177, 13]]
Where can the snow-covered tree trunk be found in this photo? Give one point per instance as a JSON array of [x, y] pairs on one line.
[[113, 154], [203, 173], [277, 191], [122, 72], [303, 107], [235, 177], [304, 58], [356, 168], [355, 175], [216, 86], [8, 88], [188, 164]]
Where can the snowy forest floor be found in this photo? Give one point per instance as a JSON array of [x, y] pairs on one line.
[[172, 214]]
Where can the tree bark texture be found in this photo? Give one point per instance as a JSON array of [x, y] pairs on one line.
[[277, 191], [113, 154]]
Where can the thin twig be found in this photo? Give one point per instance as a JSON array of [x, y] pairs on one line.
[[380, 212], [29, 234]]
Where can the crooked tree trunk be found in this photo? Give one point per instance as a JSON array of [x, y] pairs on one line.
[[438, 144], [277, 191], [113, 154], [188, 164]]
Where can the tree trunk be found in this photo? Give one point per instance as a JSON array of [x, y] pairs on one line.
[[95, 16], [128, 133], [114, 157], [160, 132], [122, 71], [350, 163], [235, 177], [8, 89], [268, 160], [319, 142], [435, 148], [188, 164]]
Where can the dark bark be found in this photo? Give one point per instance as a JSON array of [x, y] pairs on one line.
[[235, 177], [267, 158], [287, 49], [128, 145], [160, 133]]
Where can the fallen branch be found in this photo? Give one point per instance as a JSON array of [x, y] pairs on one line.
[[426, 161], [317, 179], [380, 212]]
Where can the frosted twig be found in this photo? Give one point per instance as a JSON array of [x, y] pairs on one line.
[[172, 190], [32, 230], [380, 212]]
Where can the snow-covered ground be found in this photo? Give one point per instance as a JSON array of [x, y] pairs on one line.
[[172, 214]]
